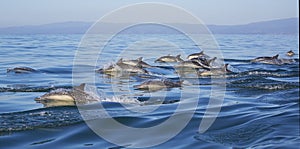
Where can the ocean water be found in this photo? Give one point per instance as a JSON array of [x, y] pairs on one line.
[[260, 108]]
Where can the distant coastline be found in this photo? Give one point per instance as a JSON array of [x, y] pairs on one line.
[[280, 26]]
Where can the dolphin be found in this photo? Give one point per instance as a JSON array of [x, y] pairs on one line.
[[64, 97], [286, 61], [204, 62], [169, 58], [290, 53], [131, 69], [215, 71], [121, 67], [110, 69], [138, 62], [273, 60], [188, 64], [21, 70], [197, 55], [196, 63], [157, 84], [267, 60]]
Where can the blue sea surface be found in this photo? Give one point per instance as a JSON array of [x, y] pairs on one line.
[[260, 107]]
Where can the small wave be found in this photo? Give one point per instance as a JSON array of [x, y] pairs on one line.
[[249, 124], [264, 85], [263, 73], [45, 117], [285, 79], [30, 47], [273, 86], [57, 70], [282, 97], [237, 60], [241, 136], [25, 88]]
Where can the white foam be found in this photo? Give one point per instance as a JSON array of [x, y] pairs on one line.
[[122, 99], [107, 65]]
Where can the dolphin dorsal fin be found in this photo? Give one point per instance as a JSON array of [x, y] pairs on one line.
[[120, 61], [140, 59], [81, 86], [180, 82], [178, 58], [275, 57], [212, 60], [202, 52], [225, 67]]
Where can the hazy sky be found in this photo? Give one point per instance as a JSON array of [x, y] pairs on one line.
[[219, 12]]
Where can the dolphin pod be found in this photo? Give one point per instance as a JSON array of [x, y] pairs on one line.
[[200, 63]]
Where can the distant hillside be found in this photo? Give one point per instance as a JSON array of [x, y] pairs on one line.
[[53, 28], [282, 26]]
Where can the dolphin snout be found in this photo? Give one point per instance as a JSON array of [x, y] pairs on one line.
[[38, 99], [137, 86]]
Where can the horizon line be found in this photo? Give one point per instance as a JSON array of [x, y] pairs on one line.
[[92, 22]]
